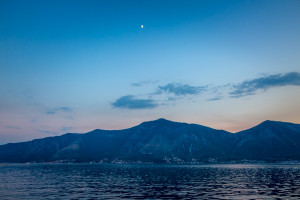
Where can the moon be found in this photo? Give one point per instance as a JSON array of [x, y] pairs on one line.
[[142, 26]]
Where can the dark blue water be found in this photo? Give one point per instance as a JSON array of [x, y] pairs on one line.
[[108, 181]]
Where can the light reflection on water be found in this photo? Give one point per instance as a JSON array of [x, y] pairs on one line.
[[111, 181]]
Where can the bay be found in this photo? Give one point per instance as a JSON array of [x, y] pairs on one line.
[[149, 181]]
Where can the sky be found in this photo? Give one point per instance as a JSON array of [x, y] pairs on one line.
[[75, 66]]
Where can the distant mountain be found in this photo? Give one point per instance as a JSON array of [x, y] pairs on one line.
[[163, 141], [269, 140]]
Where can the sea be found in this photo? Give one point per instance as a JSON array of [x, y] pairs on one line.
[[149, 181]]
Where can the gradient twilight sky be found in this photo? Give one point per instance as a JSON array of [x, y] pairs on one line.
[[74, 66]]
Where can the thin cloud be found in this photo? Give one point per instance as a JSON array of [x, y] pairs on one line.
[[215, 99], [180, 89], [130, 102], [250, 87], [66, 128], [47, 132], [50, 112], [142, 83], [137, 84], [53, 111], [13, 127]]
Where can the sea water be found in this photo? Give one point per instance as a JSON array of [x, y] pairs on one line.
[[149, 181]]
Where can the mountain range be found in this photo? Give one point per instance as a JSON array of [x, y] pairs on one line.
[[163, 141]]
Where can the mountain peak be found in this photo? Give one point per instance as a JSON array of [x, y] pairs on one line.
[[272, 123], [162, 120], [274, 126], [159, 121], [265, 124]]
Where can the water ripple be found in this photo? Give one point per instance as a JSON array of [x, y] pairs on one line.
[[108, 181]]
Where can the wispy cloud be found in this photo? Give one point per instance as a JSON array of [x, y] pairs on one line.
[[177, 91], [142, 83], [250, 87], [66, 128], [13, 127], [215, 99], [130, 102], [180, 89], [47, 132], [58, 109]]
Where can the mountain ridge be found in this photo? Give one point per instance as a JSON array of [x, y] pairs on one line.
[[163, 140]]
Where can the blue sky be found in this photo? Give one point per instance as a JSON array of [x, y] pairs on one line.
[[74, 66]]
